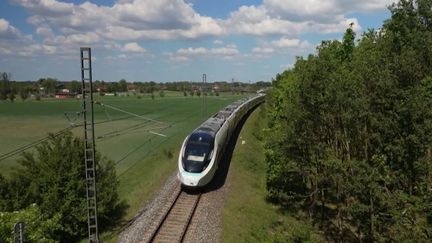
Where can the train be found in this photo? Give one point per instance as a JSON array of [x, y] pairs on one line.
[[203, 149]]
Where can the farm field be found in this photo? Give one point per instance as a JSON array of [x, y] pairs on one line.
[[142, 159]]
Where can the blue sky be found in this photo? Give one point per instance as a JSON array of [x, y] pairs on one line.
[[171, 40]]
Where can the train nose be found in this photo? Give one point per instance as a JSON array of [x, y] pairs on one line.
[[188, 179], [192, 183]]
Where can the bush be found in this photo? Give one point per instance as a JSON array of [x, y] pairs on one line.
[[11, 97], [37, 228], [54, 178], [24, 93]]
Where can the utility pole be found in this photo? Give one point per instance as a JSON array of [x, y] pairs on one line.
[[89, 144], [19, 232], [204, 96]]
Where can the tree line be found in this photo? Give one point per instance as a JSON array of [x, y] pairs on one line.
[[349, 137], [48, 87], [10, 90]]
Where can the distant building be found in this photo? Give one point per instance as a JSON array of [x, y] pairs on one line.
[[132, 87], [64, 95]]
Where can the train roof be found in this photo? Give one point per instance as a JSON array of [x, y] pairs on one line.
[[214, 123]]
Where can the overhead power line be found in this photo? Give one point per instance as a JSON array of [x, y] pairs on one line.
[[130, 113]]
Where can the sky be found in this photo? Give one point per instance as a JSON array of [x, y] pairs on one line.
[[173, 40]]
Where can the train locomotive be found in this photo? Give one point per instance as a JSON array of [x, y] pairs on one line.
[[203, 149]]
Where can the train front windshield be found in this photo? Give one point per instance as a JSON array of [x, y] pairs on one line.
[[197, 153]]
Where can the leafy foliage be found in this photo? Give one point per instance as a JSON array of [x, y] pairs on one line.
[[54, 179], [350, 132], [37, 228]]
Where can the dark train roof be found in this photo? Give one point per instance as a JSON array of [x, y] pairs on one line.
[[201, 137], [211, 126]]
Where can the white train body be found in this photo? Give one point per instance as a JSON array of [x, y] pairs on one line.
[[203, 149]]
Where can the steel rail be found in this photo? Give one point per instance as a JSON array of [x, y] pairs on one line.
[[170, 218]]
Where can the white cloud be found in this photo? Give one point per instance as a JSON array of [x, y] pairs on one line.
[[284, 45], [218, 42], [8, 31], [64, 26], [192, 51], [224, 51], [45, 31], [132, 20], [184, 54], [291, 17], [125, 20], [133, 47], [263, 50], [46, 7], [256, 21], [286, 42], [150, 14], [324, 11]]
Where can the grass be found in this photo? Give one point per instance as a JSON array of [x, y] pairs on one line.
[[143, 160], [247, 216]]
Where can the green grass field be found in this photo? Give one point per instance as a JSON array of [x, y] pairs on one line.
[[143, 159], [247, 216]]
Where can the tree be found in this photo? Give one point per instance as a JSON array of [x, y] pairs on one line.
[[49, 85], [350, 132], [75, 86], [115, 88], [123, 86], [11, 96], [24, 93], [5, 202], [5, 86], [55, 181]]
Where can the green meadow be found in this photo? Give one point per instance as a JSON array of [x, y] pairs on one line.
[[247, 215], [143, 159]]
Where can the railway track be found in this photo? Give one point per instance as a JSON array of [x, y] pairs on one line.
[[176, 221]]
